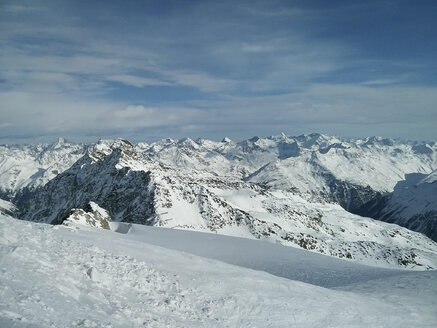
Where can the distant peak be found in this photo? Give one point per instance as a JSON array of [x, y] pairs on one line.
[[315, 135], [188, 143], [185, 140], [226, 140], [59, 143], [282, 137], [126, 142]]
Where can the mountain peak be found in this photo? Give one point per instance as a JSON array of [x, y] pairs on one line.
[[126, 142], [58, 143], [226, 140]]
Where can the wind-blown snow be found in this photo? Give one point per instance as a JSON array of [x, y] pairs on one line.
[[55, 276]]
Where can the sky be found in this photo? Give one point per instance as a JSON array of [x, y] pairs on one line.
[[146, 70]]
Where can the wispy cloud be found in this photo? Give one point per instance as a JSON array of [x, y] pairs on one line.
[[208, 69], [136, 81]]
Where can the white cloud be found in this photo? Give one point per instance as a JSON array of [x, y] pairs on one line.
[[136, 81], [139, 116], [337, 109], [134, 112]]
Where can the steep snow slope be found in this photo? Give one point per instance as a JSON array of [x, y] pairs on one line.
[[133, 188], [31, 166], [412, 204], [55, 276]]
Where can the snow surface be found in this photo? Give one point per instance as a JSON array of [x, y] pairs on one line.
[[58, 276]]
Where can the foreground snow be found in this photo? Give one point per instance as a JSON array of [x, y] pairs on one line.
[[56, 276]]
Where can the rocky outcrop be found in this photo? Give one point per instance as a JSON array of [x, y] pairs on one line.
[[93, 215]]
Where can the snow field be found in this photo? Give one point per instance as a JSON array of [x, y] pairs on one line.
[[56, 276]]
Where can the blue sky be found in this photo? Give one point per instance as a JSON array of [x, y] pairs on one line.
[[146, 70]]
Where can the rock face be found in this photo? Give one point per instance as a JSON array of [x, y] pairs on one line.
[[412, 204], [132, 185], [99, 176]]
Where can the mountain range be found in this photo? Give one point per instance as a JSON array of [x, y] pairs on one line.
[[298, 191]]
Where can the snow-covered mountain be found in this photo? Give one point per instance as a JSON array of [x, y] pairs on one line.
[[348, 171], [34, 165], [121, 179], [412, 204], [281, 188]]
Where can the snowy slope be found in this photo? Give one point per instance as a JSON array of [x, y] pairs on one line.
[[56, 276], [133, 188], [34, 165], [412, 204]]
